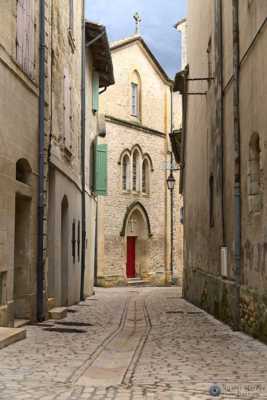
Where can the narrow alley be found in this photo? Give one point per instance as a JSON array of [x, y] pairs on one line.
[[133, 343]]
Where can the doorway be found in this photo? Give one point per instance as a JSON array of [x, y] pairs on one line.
[[131, 241], [21, 256], [64, 251]]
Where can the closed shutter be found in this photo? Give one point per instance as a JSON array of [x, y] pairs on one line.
[[25, 35], [21, 24], [67, 109], [31, 33], [95, 93], [101, 169]]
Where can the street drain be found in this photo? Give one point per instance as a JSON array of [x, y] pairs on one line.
[[65, 330], [71, 311], [41, 325], [73, 323]]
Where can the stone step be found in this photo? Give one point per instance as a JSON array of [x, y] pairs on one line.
[[18, 323], [58, 313], [11, 335], [136, 282]]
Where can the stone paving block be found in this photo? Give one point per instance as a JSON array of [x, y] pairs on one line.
[[58, 313], [11, 335]]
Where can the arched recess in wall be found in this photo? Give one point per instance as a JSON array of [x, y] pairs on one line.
[[23, 171], [145, 176], [254, 175], [126, 175], [136, 170], [136, 205], [136, 94]]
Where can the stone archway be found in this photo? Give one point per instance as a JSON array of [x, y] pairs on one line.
[[137, 232]]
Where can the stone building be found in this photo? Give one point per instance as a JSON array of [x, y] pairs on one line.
[[47, 211], [70, 277], [224, 162], [134, 217], [19, 72]]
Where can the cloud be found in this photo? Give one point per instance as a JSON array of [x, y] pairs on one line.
[[158, 18]]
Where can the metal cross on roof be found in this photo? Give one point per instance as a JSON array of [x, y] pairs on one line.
[[138, 21]]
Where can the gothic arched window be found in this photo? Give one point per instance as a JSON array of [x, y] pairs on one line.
[[135, 176], [145, 176], [126, 172], [136, 95]]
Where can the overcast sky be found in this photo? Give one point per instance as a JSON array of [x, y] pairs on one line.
[[158, 18]]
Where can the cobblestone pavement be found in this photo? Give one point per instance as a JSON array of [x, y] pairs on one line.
[[133, 343]]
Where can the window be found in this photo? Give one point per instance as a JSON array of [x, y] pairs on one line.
[[125, 172], [135, 171], [211, 201], [78, 240], [95, 94], [73, 241], [135, 100], [254, 175], [145, 177], [25, 36]]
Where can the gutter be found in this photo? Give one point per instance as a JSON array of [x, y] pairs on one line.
[[83, 205], [41, 177], [237, 154]]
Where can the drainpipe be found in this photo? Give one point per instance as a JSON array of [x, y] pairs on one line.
[[237, 185], [83, 154], [172, 192], [41, 177]]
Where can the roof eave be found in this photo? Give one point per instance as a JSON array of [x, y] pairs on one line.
[[102, 60]]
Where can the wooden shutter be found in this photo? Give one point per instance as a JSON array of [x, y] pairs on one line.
[[25, 35], [95, 93], [30, 41], [21, 23], [67, 110], [101, 169]]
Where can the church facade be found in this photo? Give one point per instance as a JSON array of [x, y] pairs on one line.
[[134, 217]]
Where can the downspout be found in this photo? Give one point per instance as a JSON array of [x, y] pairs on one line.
[[221, 93], [83, 154], [41, 177], [237, 154], [172, 191]]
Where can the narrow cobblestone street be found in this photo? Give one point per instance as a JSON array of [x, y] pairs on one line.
[[133, 343]]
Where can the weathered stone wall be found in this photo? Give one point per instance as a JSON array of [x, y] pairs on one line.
[[127, 60], [19, 140], [114, 207], [155, 114], [65, 161], [203, 278]]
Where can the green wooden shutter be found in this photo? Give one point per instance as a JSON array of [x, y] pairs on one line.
[[95, 91], [101, 166]]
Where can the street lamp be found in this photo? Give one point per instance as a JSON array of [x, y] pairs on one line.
[[171, 181], [171, 184]]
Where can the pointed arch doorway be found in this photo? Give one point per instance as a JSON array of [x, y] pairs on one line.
[[136, 230]]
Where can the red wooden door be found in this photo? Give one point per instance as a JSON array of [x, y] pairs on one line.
[[131, 257]]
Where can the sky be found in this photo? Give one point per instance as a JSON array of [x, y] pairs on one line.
[[158, 18]]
